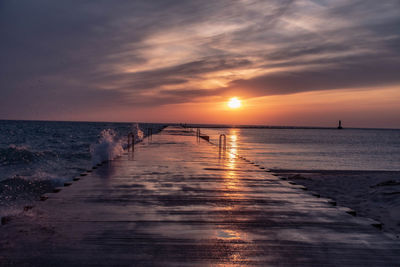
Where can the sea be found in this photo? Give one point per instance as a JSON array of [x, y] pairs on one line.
[[292, 148], [36, 156]]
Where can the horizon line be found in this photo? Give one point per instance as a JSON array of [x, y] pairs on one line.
[[211, 125]]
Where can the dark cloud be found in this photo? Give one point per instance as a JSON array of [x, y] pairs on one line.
[[178, 74], [360, 74]]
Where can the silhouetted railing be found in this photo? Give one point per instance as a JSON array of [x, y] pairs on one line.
[[150, 134], [222, 142], [131, 142]]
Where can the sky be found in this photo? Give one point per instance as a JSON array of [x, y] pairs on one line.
[[300, 63]]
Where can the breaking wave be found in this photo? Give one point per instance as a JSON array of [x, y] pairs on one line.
[[107, 148], [137, 133], [110, 145]]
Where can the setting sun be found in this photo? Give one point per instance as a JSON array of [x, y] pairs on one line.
[[234, 102]]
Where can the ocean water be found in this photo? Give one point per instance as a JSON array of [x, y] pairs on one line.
[[315, 149], [36, 156]]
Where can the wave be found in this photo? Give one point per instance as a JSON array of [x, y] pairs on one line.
[[137, 133], [110, 146], [19, 191], [21, 154], [107, 148], [21, 188]]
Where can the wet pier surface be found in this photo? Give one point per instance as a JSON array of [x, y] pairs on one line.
[[177, 201]]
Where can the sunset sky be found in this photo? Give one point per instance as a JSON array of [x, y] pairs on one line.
[[305, 62]]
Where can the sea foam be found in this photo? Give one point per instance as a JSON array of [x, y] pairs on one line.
[[110, 146], [137, 133], [107, 148]]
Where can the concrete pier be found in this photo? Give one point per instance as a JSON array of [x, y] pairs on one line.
[[178, 201]]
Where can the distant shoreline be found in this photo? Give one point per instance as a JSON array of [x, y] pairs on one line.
[[281, 127], [223, 126]]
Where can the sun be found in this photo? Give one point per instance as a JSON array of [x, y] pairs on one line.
[[234, 102]]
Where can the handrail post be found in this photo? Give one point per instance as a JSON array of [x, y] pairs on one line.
[[198, 134], [149, 134], [224, 142], [222, 145], [131, 141]]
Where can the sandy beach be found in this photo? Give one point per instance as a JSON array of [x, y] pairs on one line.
[[372, 194]]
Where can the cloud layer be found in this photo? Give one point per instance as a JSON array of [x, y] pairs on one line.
[[76, 56]]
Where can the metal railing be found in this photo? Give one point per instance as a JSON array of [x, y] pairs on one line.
[[150, 134], [222, 142], [198, 135], [131, 142]]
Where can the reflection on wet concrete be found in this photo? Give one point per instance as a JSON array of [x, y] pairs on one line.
[[179, 202], [232, 189]]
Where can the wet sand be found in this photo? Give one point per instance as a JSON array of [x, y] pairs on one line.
[[372, 194]]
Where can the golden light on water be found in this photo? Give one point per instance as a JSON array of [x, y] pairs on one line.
[[234, 103], [233, 192]]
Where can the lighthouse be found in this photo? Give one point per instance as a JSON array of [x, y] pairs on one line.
[[340, 125]]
